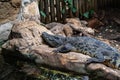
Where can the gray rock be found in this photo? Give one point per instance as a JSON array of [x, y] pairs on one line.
[[5, 30]]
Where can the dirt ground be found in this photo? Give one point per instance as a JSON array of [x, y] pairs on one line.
[[110, 31]]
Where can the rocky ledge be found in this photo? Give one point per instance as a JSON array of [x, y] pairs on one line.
[[25, 43]]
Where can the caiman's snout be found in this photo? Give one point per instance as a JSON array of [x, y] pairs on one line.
[[44, 34]]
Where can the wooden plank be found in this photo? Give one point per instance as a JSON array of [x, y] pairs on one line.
[[95, 5], [58, 12], [46, 5], [87, 5], [70, 11], [63, 6], [80, 8], [99, 3], [52, 10], [83, 6], [41, 7], [75, 3]]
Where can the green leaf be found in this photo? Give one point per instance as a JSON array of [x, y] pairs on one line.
[[70, 2], [43, 14], [74, 9], [63, 11], [91, 11], [65, 1], [86, 14]]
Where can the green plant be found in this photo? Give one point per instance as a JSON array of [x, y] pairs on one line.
[[69, 4], [42, 13], [88, 13]]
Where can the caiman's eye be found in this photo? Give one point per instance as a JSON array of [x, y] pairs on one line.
[[56, 38]]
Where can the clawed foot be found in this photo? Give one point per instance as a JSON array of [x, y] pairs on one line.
[[94, 60], [55, 51], [88, 61]]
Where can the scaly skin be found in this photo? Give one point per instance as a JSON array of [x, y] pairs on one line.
[[99, 51]]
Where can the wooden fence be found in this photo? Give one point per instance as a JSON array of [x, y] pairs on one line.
[[53, 9]]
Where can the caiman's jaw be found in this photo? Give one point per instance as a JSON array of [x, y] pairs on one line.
[[48, 39], [53, 41]]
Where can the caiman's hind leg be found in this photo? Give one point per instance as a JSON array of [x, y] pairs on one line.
[[64, 48], [98, 58]]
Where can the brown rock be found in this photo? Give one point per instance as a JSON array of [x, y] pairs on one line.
[[67, 30], [107, 73], [25, 35], [94, 23], [15, 3], [74, 21]]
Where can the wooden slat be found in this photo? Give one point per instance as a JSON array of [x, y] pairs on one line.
[[80, 7], [58, 12], [47, 19], [52, 10], [41, 7], [65, 14], [75, 3], [70, 11]]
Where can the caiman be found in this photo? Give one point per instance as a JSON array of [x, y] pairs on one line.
[[98, 50]]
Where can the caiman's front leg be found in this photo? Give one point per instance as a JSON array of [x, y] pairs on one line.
[[64, 48], [98, 58]]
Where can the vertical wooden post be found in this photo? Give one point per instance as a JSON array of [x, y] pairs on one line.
[[52, 10], [41, 7], [47, 6], [58, 12]]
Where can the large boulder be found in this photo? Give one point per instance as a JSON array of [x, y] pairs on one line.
[[25, 35]]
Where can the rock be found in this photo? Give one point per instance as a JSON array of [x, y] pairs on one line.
[[15, 3], [74, 21], [7, 11], [52, 24], [25, 35], [60, 29], [94, 23], [25, 42], [5, 30], [103, 71], [84, 23], [79, 26], [72, 24], [25, 38], [71, 61], [57, 29], [67, 30]]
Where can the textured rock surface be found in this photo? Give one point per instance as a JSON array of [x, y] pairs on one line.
[[25, 35], [8, 10], [5, 30], [25, 38]]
